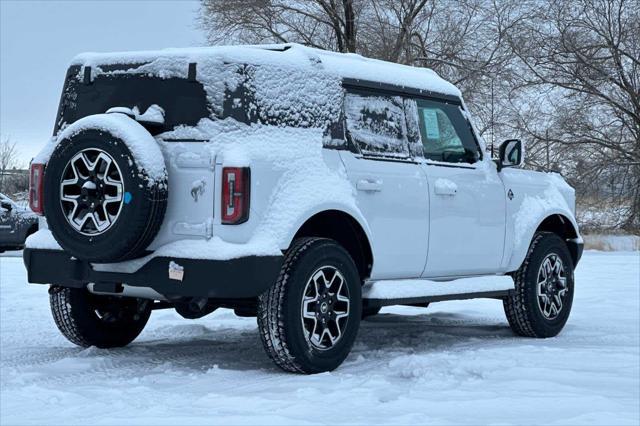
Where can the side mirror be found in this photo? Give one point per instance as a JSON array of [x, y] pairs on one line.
[[6, 205], [511, 154]]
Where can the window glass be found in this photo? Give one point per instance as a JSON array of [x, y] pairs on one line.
[[445, 133], [377, 124]]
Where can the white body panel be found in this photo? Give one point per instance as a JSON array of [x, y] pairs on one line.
[[190, 205], [467, 220], [393, 197], [536, 196]]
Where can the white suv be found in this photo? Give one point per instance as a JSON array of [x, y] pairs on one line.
[[303, 187]]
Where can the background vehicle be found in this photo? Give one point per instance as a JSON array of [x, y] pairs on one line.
[[302, 187], [16, 224]]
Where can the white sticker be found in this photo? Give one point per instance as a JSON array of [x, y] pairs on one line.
[[176, 272], [430, 117]]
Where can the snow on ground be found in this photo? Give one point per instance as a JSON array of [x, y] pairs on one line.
[[455, 362]]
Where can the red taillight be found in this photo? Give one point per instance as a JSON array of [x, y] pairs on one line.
[[36, 188], [236, 192]]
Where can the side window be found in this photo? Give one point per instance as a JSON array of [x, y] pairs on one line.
[[445, 133], [377, 124]]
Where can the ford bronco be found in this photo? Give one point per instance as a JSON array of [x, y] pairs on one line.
[[303, 187]]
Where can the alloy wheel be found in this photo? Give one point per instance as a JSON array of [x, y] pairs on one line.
[[91, 191], [325, 307], [551, 286]]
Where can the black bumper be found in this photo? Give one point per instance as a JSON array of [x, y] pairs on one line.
[[243, 277]]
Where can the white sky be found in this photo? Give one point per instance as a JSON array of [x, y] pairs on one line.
[[39, 38]]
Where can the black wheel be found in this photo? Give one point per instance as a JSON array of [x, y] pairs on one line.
[[87, 319], [544, 286], [369, 312], [309, 319], [100, 205]]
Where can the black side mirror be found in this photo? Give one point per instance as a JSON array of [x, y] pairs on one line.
[[6, 205], [511, 154]]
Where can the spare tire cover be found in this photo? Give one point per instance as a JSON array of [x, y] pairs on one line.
[[100, 204]]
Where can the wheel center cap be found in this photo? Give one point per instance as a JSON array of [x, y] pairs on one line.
[[324, 307]]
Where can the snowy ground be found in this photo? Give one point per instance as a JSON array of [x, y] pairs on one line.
[[455, 362]]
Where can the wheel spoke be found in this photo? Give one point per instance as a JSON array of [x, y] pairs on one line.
[[332, 337]]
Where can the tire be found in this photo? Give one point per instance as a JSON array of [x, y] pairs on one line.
[[86, 319], [280, 309], [136, 217], [532, 312], [370, 312]]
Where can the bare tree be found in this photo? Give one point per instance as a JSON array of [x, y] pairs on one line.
[[8, 159], [584, 56], [563, 75], [326, 24]]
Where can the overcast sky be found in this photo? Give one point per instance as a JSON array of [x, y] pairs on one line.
[[39, 38]]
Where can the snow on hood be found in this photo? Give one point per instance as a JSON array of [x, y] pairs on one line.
[[174, 63]]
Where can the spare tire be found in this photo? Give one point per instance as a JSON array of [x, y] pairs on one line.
[[100, 204]]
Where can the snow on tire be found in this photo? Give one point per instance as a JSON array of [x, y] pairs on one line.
[[309, 319], [87, 320], [544, 287], [99, 201]]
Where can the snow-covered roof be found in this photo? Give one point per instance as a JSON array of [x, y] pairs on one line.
[[344, 65]]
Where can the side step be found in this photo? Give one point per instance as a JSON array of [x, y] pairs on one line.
[[418, 291]]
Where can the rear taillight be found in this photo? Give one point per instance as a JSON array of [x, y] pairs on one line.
[[236, 193], [36, 188]]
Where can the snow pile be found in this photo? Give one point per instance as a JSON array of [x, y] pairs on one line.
[[142, 145], [42, 239], [289, 96]]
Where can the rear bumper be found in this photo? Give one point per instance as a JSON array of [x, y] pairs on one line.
[[244, 277]]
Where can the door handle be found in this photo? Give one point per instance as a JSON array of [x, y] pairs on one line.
[[445, 187], [369, 185]]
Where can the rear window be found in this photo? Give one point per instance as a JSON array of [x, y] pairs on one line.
[[184, 101]]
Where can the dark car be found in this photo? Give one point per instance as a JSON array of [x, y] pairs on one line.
[[16, 224]]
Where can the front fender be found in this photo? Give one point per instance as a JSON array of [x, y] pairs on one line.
[[538, 196]]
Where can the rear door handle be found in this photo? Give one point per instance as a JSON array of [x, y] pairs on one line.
[[369, 185], [445, 187]]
